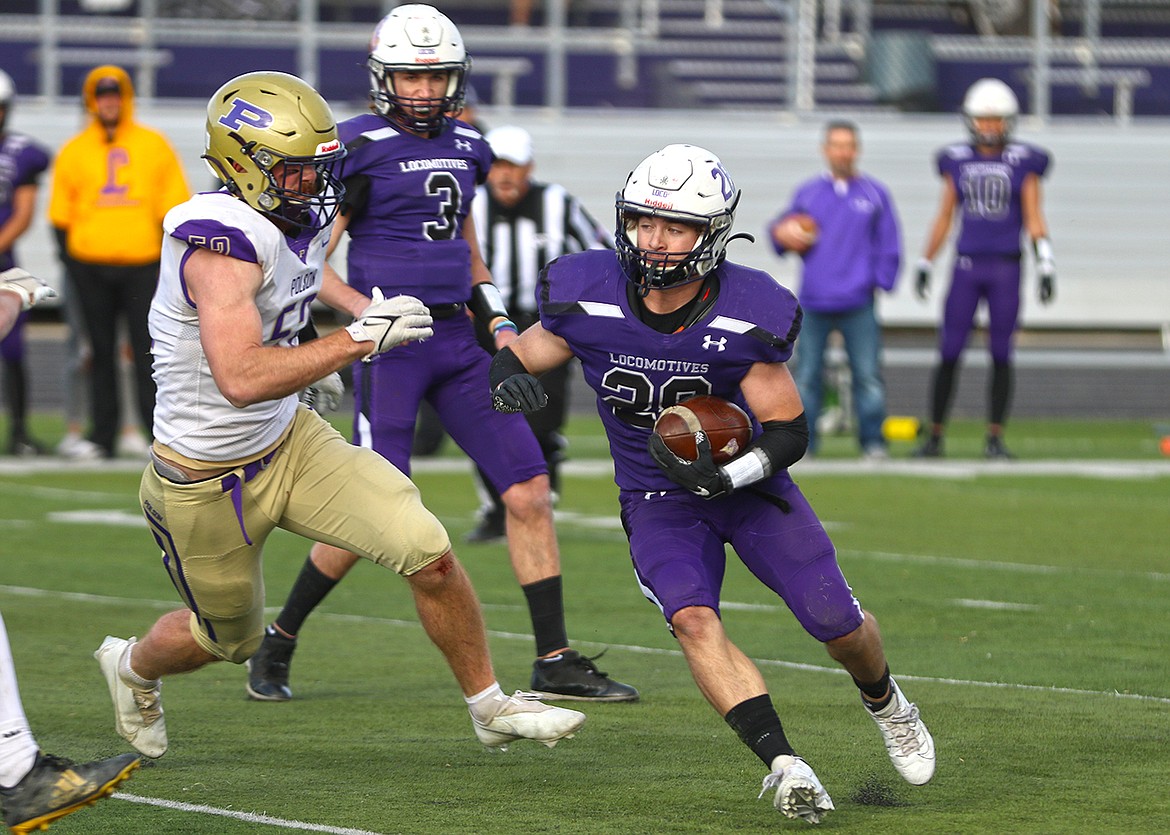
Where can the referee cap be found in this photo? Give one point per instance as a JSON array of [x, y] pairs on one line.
[[511, 143]]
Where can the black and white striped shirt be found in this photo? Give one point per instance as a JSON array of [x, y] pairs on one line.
[[516, 243]]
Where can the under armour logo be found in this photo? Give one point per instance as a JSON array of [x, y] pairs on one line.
[[246, 113], [462, 145], [719, 344]]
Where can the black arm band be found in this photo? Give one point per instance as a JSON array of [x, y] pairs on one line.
[[781, 444], [486, 303], [783, 441], [505, 364]]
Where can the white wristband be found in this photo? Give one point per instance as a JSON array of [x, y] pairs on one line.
[[747, 469], [1044, 250]]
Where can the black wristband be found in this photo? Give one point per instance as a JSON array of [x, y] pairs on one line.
[[505, 364], [486, 303]]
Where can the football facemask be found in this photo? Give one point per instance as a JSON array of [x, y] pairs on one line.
[[990, 98]]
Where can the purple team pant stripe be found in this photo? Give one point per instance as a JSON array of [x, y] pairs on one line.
[[174, 568]]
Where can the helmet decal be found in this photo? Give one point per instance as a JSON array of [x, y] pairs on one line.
[[246, 113]]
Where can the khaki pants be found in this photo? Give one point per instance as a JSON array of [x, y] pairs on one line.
[[315, 484]]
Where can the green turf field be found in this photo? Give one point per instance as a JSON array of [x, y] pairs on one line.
[[1024, 611]]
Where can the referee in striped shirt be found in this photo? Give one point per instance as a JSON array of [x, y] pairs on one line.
[[522, 225]]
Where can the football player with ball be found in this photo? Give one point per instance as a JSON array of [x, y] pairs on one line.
[[666, 318]]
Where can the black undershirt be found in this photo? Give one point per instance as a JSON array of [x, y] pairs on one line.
[[676, 320]]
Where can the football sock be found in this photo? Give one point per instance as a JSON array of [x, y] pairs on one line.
[[485, 704], [309, 590], [547, 610], [876, 695], [127, 674], [755, 722], [942, 390], [18, 749], [1000, 396], [16, 394]]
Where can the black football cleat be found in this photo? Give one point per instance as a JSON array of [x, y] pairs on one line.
[[56, 787], [573, 676], [932, 447], [268, 669], [490, 529]]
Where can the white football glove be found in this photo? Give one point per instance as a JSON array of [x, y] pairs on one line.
[[391, 322], [325, 395], [30, 288]]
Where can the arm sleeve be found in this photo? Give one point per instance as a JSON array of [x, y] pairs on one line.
[[505, 364], [357, 195]]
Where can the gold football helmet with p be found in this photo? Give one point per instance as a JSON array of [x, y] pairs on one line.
[[272, 140]]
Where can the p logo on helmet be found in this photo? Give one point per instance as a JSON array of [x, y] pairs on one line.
[[245, 113]]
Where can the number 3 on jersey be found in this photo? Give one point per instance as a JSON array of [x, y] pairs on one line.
[[444, 186]]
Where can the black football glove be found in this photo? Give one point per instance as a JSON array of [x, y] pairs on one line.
[[1047, 287], [922, 279], [700, 476], [519, 393]]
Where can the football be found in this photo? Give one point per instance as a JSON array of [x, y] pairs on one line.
[[803, 227], [727, 426]]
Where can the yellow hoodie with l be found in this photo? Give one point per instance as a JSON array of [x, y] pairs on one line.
[[111, 191]]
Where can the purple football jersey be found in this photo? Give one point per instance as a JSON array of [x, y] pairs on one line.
[[21, 163], [408, 237], [988, 190], [637, 371]]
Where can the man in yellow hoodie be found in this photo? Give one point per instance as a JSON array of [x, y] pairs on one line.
[[112, 185]]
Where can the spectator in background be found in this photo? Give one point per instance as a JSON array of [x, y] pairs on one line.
[[22, 161], [522, 225], [993, 184], [112, 185], [854, 249]]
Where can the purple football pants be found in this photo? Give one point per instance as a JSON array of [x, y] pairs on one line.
[[995, 278], [677, 539], [12, 345], [451, 371]]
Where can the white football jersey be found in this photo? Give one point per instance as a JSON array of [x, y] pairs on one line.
[[191, 415]]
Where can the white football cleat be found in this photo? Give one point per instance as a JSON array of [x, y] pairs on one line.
[[524, 716], [138, 714], [908, 742], [799, 794]]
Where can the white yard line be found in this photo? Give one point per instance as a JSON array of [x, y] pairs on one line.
[[246, 817]]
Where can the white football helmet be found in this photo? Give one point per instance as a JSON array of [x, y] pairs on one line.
[[7, 94], [261, 119], [990, 98], [414, 38], [680, 182]]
